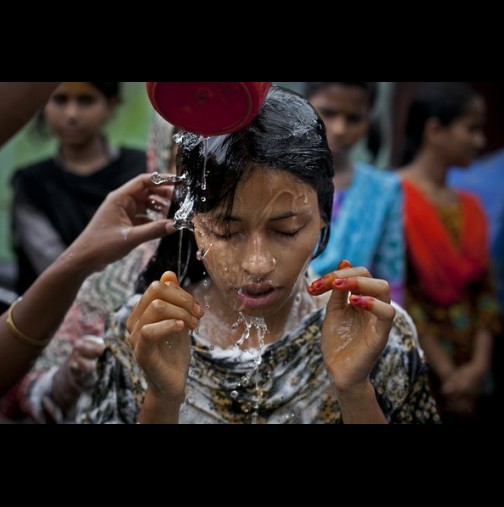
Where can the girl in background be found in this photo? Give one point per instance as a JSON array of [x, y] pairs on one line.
[[366, 221], [53, 200], [450, 291]]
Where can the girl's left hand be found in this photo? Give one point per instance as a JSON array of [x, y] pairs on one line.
[[357, 324]]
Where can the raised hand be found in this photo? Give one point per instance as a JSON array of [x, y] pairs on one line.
[[159, 334], [357, 324], [122, 222]]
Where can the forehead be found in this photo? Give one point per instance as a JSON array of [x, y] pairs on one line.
[[71, 88], [476, 108], [339, 95], [272, 190]]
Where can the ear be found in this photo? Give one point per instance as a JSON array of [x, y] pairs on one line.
[[111, 106], [432, 131]]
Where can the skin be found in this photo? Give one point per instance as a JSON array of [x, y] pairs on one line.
[[19, 101], [256, 262], [118, 226], [76, 113], [345, 110], [443, 147]]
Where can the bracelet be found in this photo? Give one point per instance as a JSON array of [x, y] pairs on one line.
[[18, 334]]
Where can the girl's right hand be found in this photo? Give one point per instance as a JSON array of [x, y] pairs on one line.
[[159, 335]]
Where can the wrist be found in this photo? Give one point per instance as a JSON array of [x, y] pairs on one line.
[[359, 404], [158, 408], [355, 393]]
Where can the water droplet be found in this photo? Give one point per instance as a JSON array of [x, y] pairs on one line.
[[203, 199], [234, 394]]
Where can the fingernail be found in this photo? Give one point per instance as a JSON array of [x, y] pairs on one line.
[[340, 282]]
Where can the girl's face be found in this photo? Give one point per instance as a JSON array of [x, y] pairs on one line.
[[345, 110], [76, 113], [463, 139], [258, 254]]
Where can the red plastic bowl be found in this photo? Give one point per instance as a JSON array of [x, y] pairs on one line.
[[208, 109]]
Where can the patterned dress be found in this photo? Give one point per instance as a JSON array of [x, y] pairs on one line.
[[291, 384]]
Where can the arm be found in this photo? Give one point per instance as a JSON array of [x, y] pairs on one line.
[[467, 379], [19, 102], [439, 361], [114, 230]]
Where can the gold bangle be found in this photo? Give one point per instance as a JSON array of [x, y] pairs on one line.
[[18, 334]]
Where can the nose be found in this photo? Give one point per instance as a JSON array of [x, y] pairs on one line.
[[258, 261], [336, 127], [480, 141], [71, 109]]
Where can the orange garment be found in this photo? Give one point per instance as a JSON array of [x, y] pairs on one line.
[[444, 268]]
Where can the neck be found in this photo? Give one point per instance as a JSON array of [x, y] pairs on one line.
[[427, 168], [85, 159], [343, 172]]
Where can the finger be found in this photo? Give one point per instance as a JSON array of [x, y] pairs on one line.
[[364, 286], [159, 316], [167, 289], [145, 232], [169, 276], [89, 349], [384, 312], [157, 334], [80, 367], [324, 284]]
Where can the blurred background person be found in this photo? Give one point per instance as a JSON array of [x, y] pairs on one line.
[[366, 222], [450, 287], [53, 200]]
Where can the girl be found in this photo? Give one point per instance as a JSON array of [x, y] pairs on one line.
[[450, 292], [366, 221], [239, 334], [54, 199]]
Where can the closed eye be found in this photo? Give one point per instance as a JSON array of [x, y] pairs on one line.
[[285, 234]]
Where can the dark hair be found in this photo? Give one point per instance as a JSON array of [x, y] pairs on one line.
[[446, 101], [286, 135], [109, 89], [374, 137]]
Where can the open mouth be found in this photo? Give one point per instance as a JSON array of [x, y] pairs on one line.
[[257, 296]]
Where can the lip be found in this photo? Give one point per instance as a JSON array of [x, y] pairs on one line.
[[71, 131], [257, 297]]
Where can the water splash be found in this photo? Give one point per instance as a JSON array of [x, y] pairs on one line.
[[205, 158], [158, 179], [259, 325]]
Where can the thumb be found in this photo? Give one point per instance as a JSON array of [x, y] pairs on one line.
[[169, 276], [141, 233]]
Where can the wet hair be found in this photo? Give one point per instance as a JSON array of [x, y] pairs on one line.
[[374, 138], [446, 101], [287, 135]]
